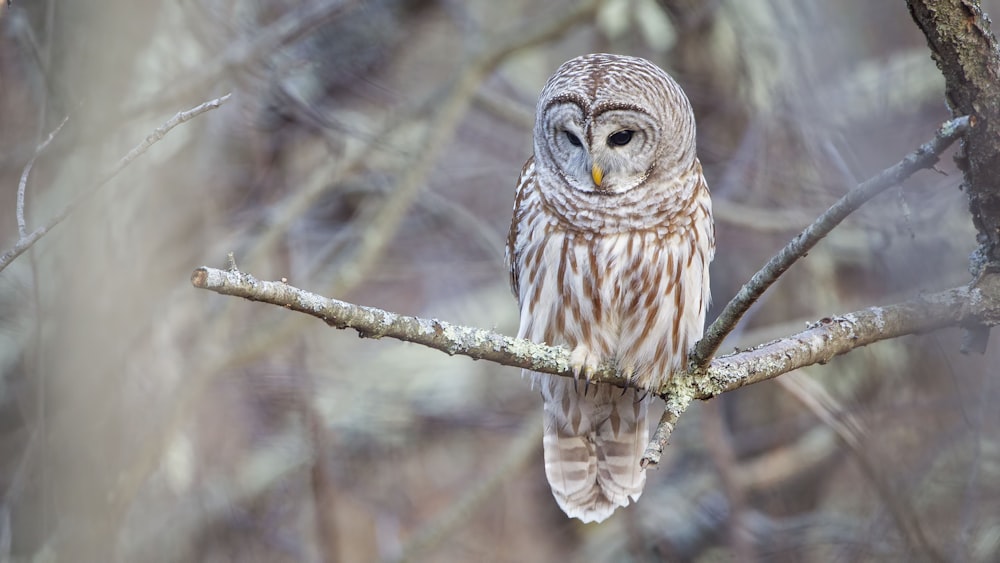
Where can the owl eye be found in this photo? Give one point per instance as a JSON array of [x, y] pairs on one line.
[[573, 139], [620, 139]]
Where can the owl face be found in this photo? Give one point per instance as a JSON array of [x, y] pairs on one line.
[[604, 149], [607, 124]]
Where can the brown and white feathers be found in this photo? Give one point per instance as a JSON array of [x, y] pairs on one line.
[[608, 252]]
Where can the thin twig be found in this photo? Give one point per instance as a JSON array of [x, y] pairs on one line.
[[22, 185], [293, 26], [25, 242], [665, 429], [924, 157], [850, 431]]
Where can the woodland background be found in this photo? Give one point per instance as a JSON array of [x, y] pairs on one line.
[[369, 152]]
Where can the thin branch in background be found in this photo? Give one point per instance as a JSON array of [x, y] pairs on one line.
[[924, 157], [381, 219], [25, 241], [521, 449], [849, 430], [292, 26], [22, 185], [382, 224], [718, 443]]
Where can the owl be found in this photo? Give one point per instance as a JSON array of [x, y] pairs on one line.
[[608, 251]]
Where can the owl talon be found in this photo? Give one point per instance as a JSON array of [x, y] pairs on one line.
[[583, 362]]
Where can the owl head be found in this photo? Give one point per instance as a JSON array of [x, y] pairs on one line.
[[607, 124]]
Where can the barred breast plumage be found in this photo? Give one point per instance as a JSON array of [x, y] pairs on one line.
[[608, 251]]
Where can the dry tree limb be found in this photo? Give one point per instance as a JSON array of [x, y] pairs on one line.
[[704, 350], [924, 157], [968, 55], [978, 303], [708, 377], [975, 304], [25, 241]]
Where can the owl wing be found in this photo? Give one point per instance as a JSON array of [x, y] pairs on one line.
[[525, 183]]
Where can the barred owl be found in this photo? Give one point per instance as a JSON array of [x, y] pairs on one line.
[[608, 253]]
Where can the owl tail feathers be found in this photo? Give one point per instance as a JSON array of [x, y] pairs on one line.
[[595, 471]]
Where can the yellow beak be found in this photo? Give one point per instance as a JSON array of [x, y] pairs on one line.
[[597, 173]]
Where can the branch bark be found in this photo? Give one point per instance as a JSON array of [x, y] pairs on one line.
[[978, 303], [961, 43], [968, 55], [706, 377]]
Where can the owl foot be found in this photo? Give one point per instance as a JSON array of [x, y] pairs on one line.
[[583, 362]]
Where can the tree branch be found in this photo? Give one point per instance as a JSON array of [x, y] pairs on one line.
[[978, 303], [968, 55], [706, 377], [924, 157]]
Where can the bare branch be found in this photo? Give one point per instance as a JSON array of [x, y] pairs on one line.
[[25, 241], [707, 378], [671, 414], [978, 303], [924, 157], [370, 322], [22, 185]]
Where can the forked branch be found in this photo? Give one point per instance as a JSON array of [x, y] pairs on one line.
[[977, 304], [924, 157]]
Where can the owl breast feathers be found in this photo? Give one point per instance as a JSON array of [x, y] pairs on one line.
[[608, 252]]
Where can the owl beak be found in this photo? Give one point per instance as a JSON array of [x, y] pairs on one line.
[[597, 174]]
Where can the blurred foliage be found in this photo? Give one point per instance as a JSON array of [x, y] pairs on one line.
[[370, 152]]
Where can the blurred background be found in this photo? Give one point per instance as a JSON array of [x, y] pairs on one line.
[[369, 152]]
